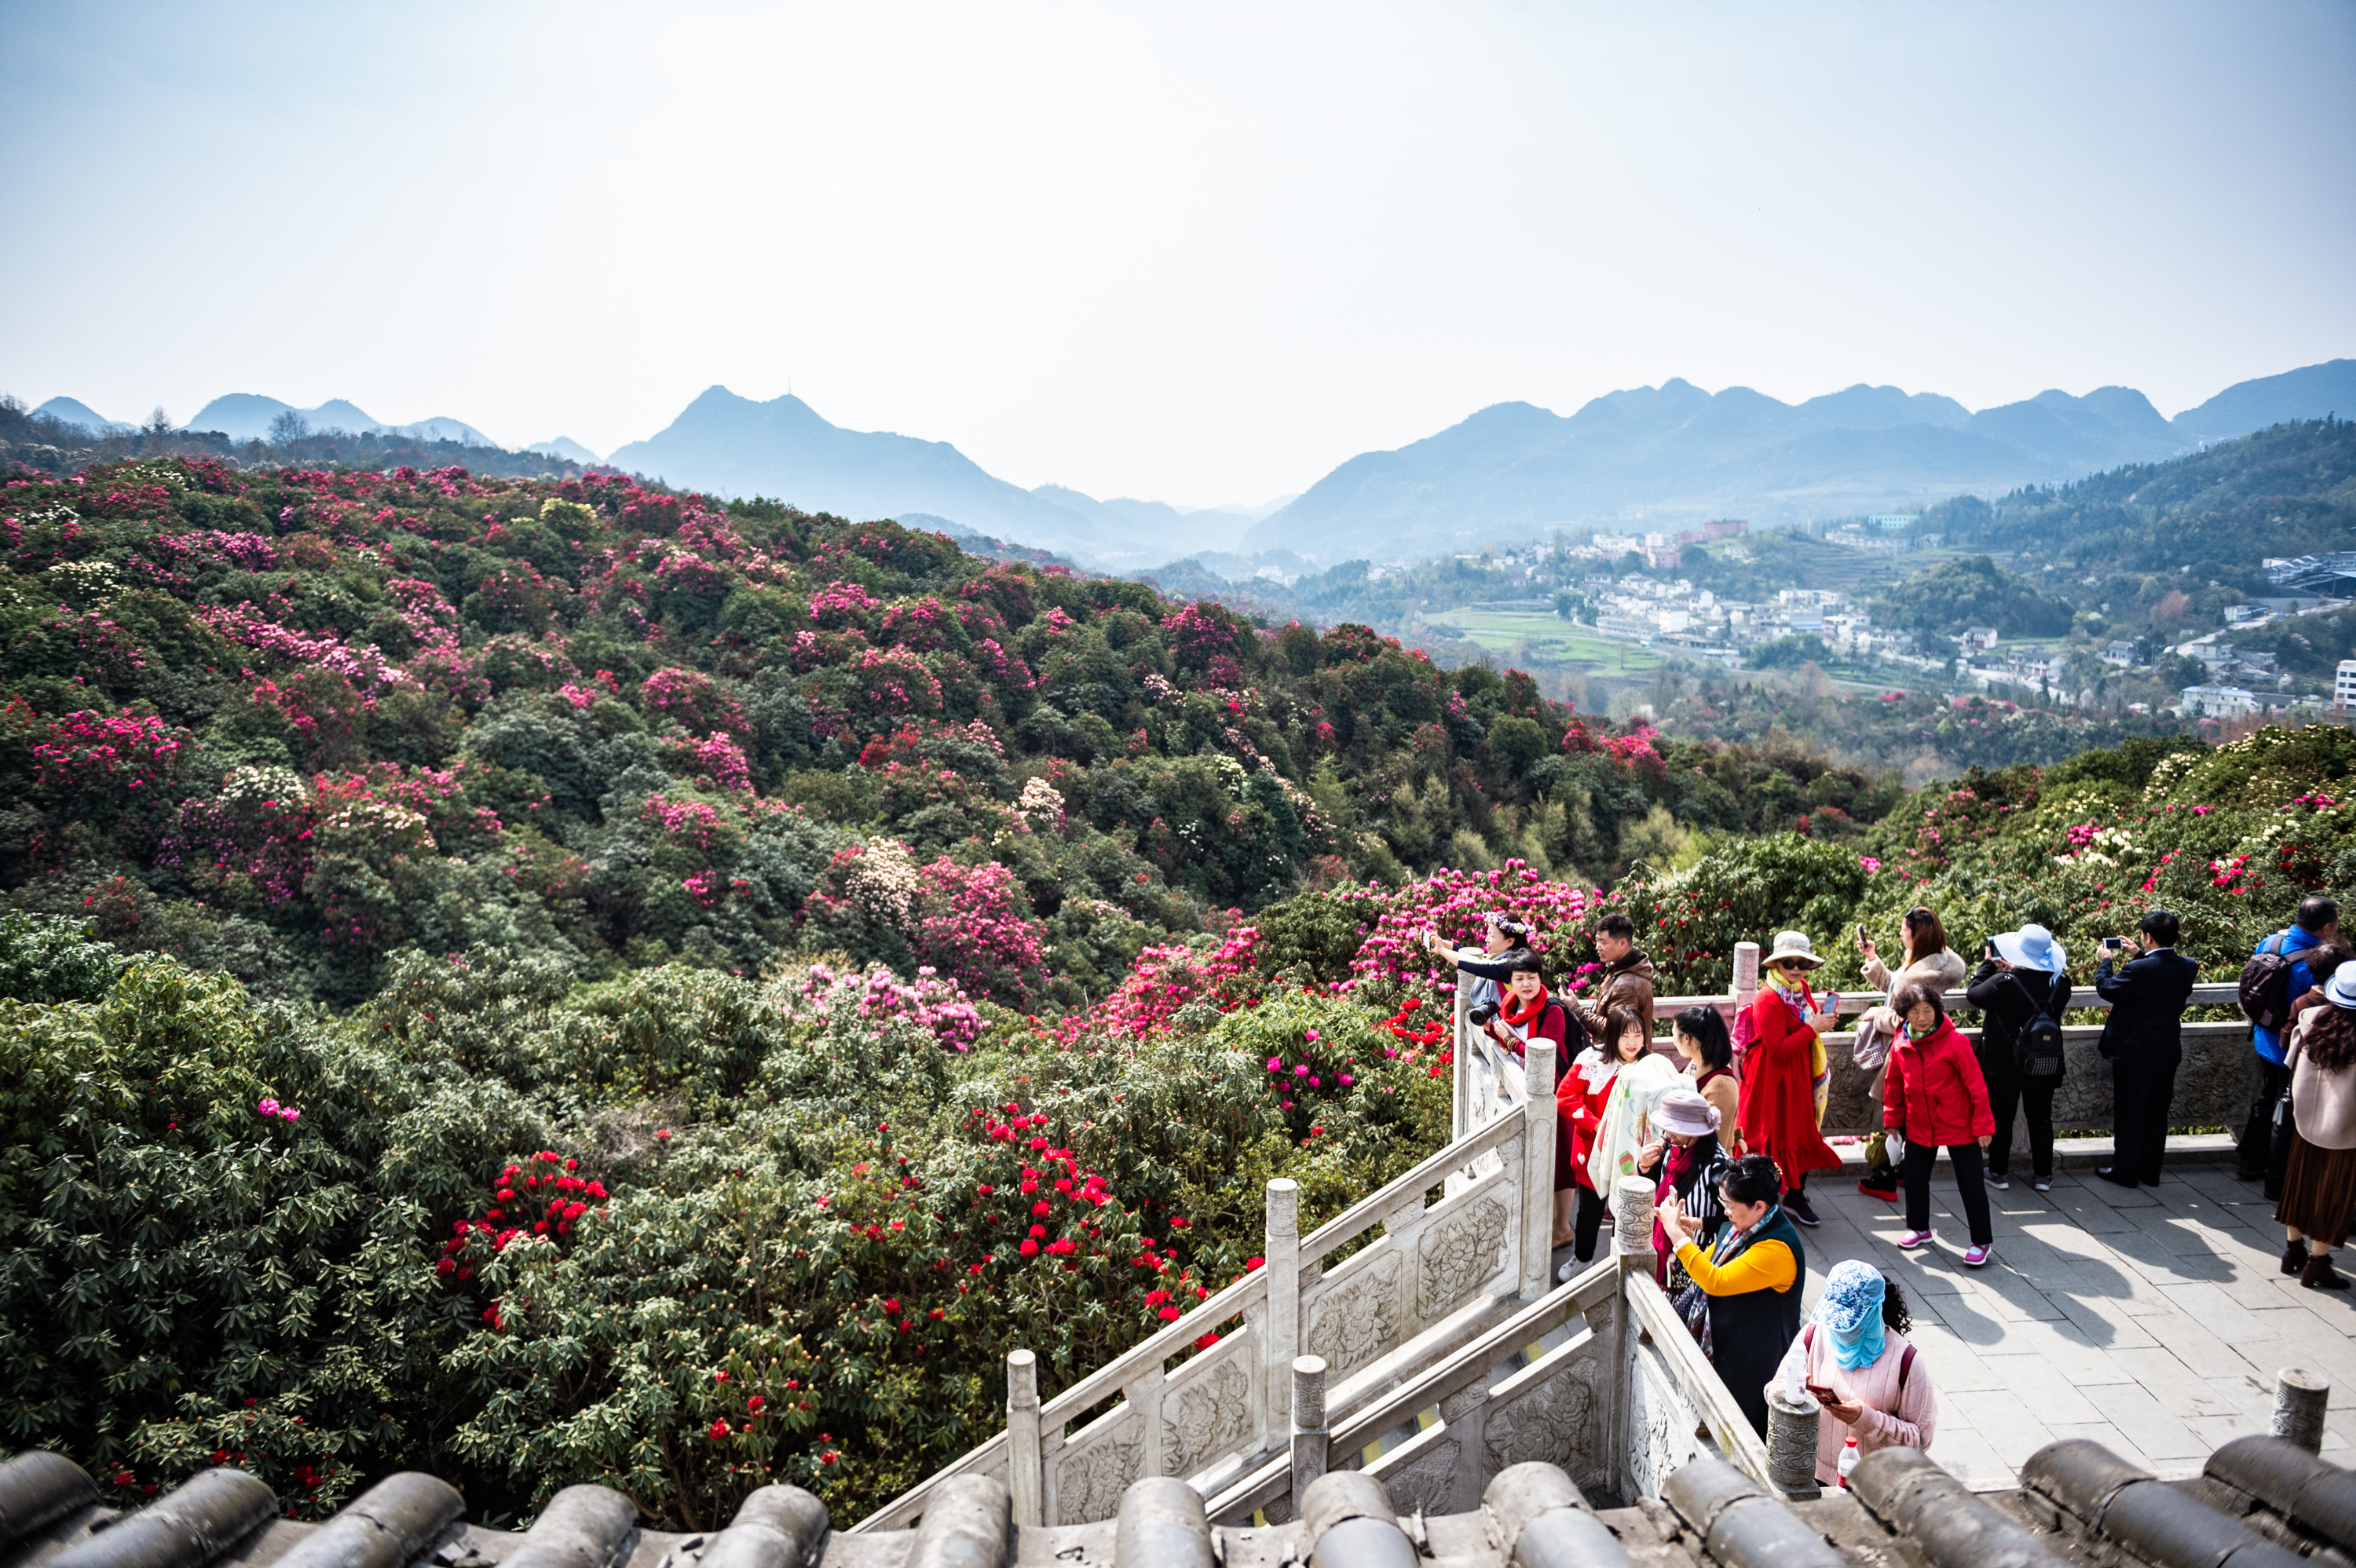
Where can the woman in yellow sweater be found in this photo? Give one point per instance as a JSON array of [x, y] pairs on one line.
[[1748, 1283]]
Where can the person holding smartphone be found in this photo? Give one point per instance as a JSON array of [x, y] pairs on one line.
[[2143, 1040], [1853, 1358]]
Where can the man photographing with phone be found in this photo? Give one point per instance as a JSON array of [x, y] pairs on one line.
[[2143, 1041]]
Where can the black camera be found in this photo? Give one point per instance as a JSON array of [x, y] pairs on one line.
[[1480, 1015]]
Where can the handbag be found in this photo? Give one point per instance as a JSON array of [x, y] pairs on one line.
[[1693, 1306]]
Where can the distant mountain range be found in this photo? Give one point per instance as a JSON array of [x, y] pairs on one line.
[[248, 416], [73, 411], [784, 449], [1651, 458], [1666, 457]]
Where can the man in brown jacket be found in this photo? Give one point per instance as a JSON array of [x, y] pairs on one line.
[[1626, 979]]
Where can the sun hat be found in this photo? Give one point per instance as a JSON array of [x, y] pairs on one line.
[[2341, 989], [1685, 1113], [1792, 944], [2032, 947], [1853, 1292]]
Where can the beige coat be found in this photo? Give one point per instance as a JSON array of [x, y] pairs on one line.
[[1945, 968], [2322, 1103]]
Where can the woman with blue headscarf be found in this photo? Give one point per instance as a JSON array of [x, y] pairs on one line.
[[1853, 1359]]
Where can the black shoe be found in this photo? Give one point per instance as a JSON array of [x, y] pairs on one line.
[[2319, 1275], [2249, 1175], [2115, 1177], [1796, 1204], [2293, 1257]]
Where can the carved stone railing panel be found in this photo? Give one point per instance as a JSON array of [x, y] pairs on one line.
[[1355, 1316], [1552, 1410], [1207, 1408], [1086, 1479], [1468, 1244], [1662, 1423], [1427, 1473]]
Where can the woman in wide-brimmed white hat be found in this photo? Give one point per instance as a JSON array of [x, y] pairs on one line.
[[2025, 975], [1779, 1100]]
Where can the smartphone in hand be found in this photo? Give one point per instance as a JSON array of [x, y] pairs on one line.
[[1822, 1395]]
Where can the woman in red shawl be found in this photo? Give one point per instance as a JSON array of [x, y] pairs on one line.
[[1779, 1100]]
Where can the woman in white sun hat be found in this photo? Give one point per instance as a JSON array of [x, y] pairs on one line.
[[2023, 976]]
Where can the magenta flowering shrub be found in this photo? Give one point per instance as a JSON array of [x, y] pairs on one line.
[[693, 700], [96, 758], [973, 923], [938, 1006]]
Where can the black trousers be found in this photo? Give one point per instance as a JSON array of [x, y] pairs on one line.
[[2007, 1095], [2255, 1151], [1919, 1157], [2140, 1093], [1588, 1221]]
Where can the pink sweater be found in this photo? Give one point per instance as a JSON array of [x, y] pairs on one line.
[[1891, 1420]]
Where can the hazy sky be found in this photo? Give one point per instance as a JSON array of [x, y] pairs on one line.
[[1201, 252]]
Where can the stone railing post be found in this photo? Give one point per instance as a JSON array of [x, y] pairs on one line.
[[1024, 1476], [1537, 1170], [1308, 1434], [1792, 1432], [2301, 1398], [1746, 977], [1460, 1076], [1632, 1236], [1283, 1266]]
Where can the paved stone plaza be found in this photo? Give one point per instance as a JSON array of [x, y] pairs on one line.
[[2151, 1320]]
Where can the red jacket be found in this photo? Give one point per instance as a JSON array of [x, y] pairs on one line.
[[1580, 1113], [1779, 1097], [1934, 1093]]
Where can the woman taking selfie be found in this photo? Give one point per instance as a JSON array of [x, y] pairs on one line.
[[1779, 1097], [1751, 1279]]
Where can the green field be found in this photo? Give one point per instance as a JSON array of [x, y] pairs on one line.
[[1544, 637]]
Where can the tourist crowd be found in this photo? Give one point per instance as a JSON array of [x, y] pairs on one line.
[[1728, 1123]]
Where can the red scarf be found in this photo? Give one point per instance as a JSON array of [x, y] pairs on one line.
[[1525, 1017]]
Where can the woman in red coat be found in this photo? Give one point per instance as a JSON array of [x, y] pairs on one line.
[[1935, 1096], [1779, 1096], [1579, 1097]]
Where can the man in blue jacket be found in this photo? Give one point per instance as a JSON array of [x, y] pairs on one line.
[[2143, 1040], [2316, 924]]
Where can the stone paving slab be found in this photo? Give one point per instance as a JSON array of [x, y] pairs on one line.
[[2152, 1320]]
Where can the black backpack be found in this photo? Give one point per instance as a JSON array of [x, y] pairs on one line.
[[2266, 982], [2037, 1045]]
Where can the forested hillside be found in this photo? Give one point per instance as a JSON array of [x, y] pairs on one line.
[[2287, 491], [287, 722]]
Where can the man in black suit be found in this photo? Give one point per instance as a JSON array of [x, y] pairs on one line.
[[2143, 1041]]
